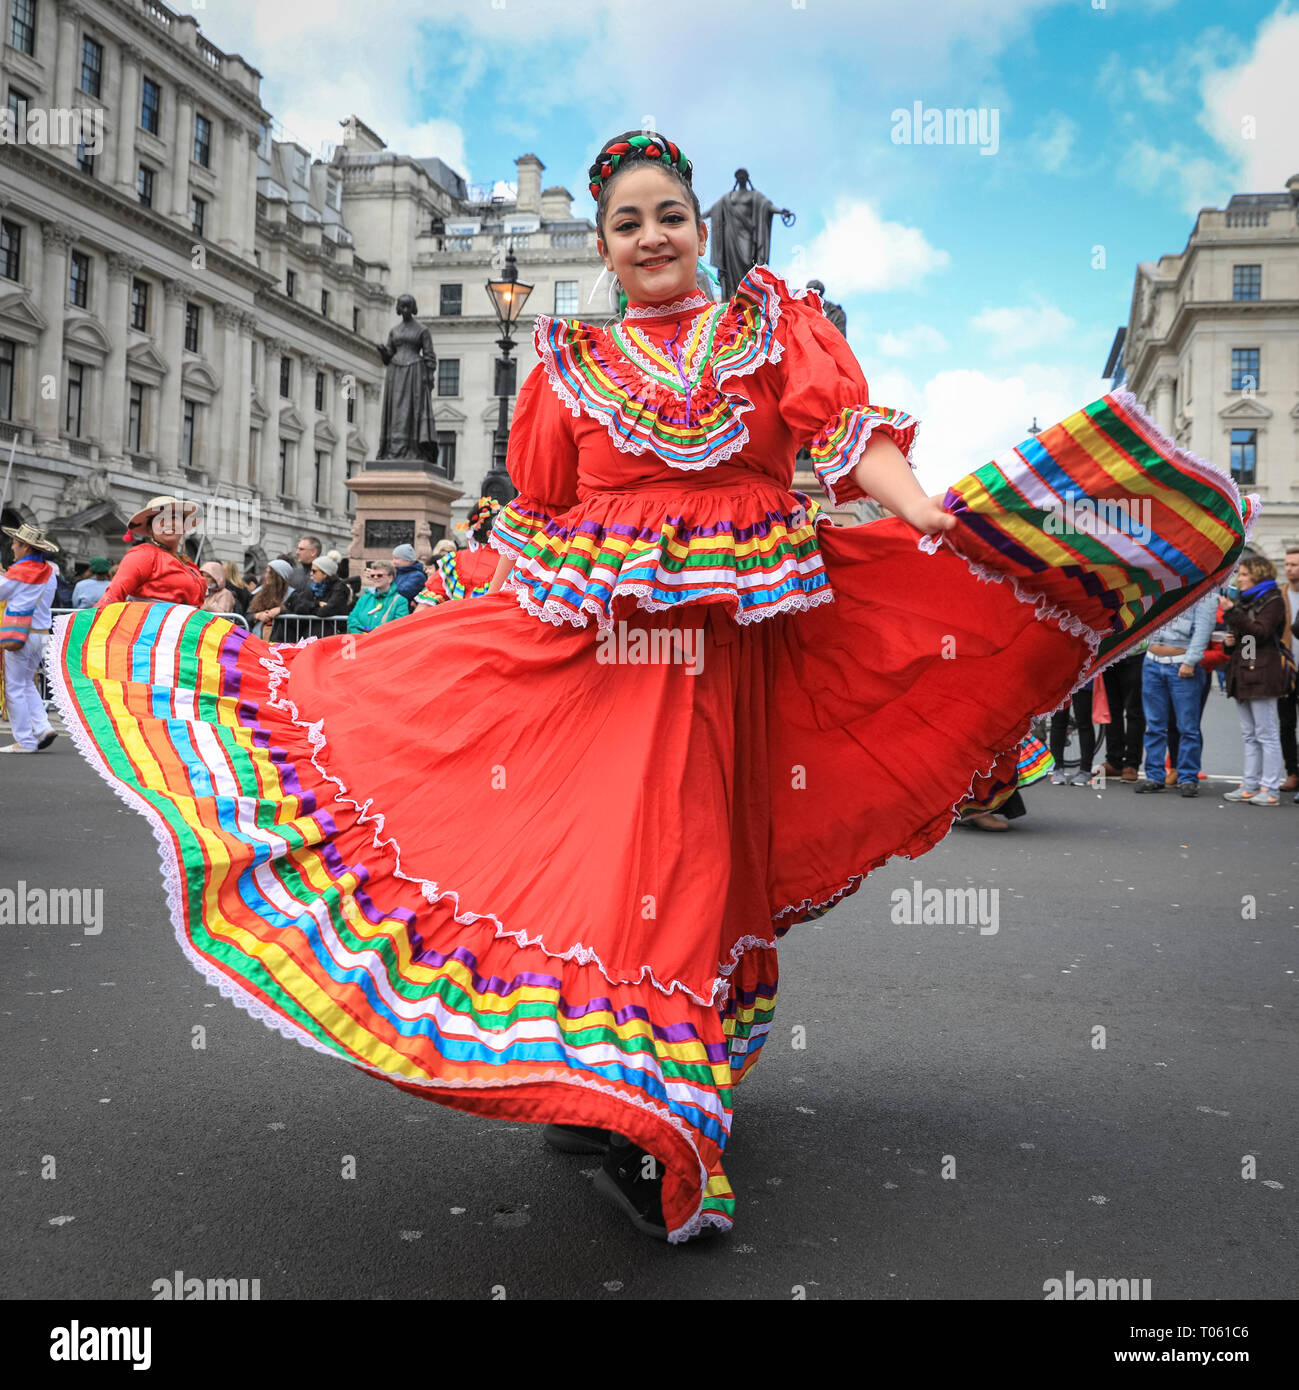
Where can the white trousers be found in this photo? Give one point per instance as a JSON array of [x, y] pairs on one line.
[[27, 716]]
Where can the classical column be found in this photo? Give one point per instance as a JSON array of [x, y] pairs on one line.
[[1164, 404], [173, 340], [228, 449], [50, 404], [273, 349], [182, 149], [304, 484], [249, 207], [66, 55], [121, 269], [247, 475], [128, 116], [336, 497], [367, 415], [234, 170]]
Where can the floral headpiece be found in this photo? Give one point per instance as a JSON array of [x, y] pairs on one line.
[[648, 145], [486, 510]]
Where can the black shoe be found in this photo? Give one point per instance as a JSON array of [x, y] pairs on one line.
[[47, 740], [577, 1139], [1147, 785], [633, 1181], [1189, 788]]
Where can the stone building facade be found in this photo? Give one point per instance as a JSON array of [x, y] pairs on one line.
[[1211, 350], [162, 259], [444, 241]]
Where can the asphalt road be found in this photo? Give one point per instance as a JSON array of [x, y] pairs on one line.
[[925, 1045]]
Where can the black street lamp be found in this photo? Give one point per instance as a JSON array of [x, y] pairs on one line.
[[508, 299]]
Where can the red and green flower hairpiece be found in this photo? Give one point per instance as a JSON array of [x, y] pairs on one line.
[[651, 147]]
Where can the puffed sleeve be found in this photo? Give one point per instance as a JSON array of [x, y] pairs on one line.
[[136, 569], [542, 464], [825, 401]]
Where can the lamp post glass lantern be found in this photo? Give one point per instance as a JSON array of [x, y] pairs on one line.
[[508, 297]]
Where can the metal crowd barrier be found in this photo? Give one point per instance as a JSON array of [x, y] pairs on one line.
[[296, 627]]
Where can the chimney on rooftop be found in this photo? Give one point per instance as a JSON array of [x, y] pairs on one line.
[[529, 183]]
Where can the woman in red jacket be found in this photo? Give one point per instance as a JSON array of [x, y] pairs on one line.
[[156, 569]]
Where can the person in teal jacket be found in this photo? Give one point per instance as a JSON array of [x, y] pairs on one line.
[[379, 602]]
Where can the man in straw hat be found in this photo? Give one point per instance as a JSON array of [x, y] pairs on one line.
[[158, 569], [27, 591]]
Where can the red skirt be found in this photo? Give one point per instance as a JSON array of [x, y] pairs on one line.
[[540, 873]]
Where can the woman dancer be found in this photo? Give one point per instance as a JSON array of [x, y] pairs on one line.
[[689, 717], [465, 573]]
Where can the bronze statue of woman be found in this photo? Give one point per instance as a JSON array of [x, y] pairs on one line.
[[407, 430]]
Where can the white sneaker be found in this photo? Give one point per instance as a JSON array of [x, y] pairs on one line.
[[16, 748]]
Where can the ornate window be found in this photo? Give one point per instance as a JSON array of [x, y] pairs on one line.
[[1244, 369], [22, 27], [1244, 455], [1247, 282], [202, 140], [92, 66], [150, 105], [79, 279]]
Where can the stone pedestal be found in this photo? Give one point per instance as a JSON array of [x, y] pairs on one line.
[[399, 503]]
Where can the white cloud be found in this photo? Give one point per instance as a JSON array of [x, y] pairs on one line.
[[1016, 329], [1252, 109], [910, 341], [857, 252], [506, 73], [1202, 182], [1051, 143], [968, 417], [1152, 86]]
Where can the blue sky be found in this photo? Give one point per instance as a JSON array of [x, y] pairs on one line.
[[969, 280]]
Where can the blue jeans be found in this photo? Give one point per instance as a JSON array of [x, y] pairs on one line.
[[1165, 695]]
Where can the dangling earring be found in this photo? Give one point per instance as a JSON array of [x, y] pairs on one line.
[[617, 298]]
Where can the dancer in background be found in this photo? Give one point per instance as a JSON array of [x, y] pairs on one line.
[[27, 590], [465, 573]]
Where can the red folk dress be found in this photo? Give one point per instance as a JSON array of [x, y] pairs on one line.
[[151, 571], [543, 876], [459, 574]]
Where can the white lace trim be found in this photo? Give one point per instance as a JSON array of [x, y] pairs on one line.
[[173, 873], [696, 300], [835, 475], [557, 612]]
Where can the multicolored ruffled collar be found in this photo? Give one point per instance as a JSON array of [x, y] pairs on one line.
[[667, 399]]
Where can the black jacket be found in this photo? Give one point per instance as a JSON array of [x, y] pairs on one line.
[[337, 600]]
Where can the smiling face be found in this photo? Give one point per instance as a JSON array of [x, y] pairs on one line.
[[649, 237]]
